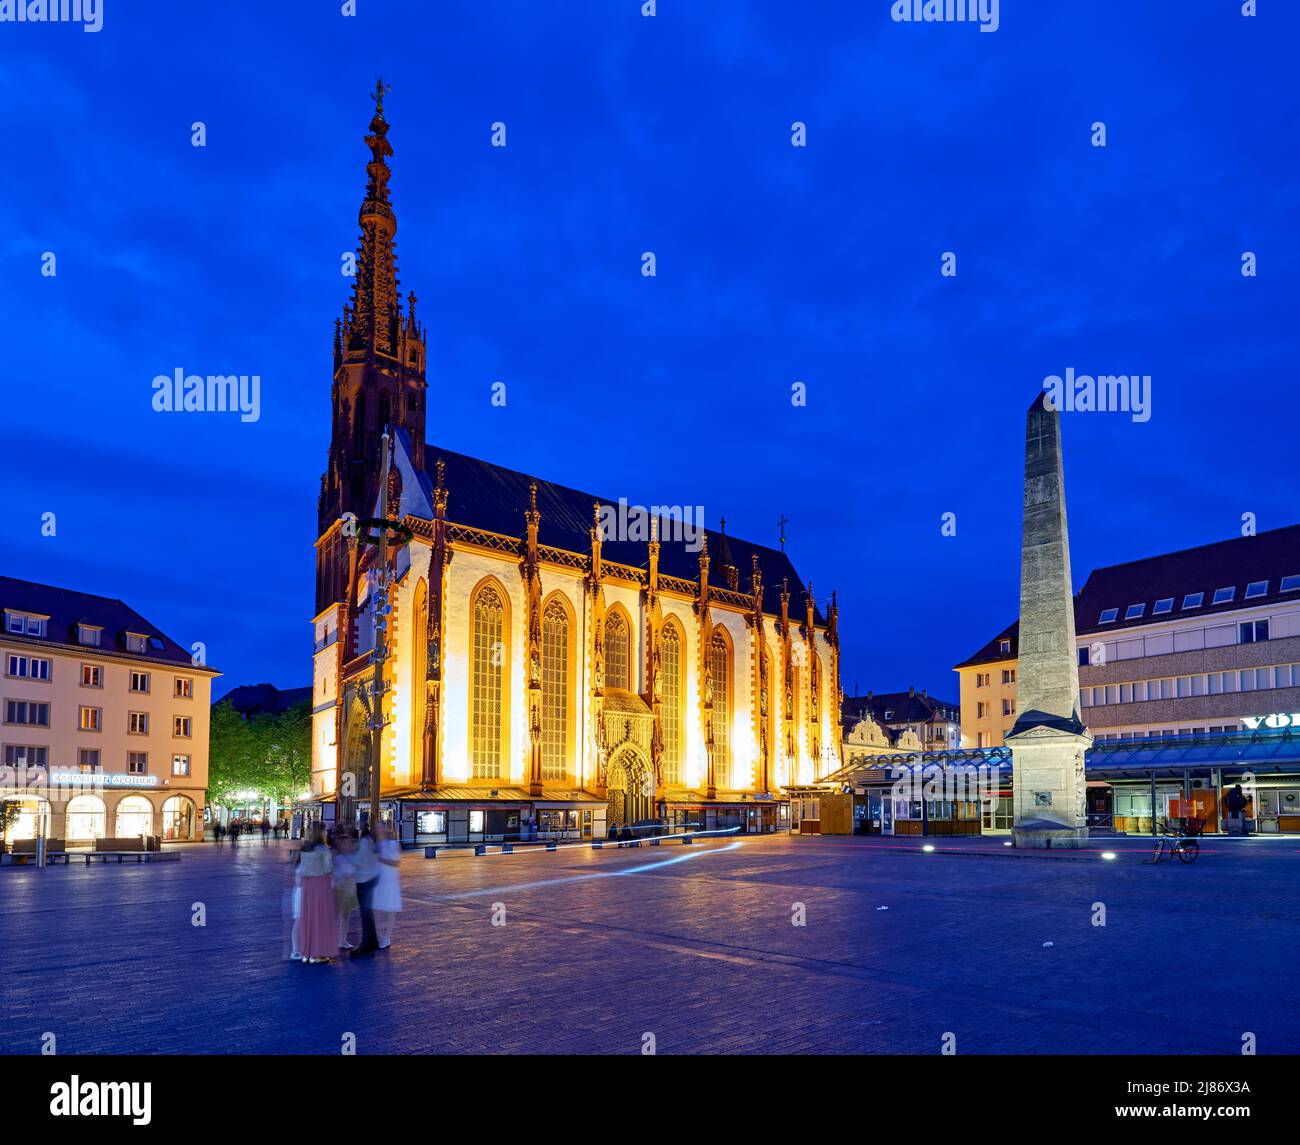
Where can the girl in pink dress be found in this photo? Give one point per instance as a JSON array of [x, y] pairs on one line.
[[316, 936]]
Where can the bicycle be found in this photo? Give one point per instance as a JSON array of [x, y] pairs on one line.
[[1178, 844]]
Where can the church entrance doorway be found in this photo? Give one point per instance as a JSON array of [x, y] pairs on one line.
[[630, 790]]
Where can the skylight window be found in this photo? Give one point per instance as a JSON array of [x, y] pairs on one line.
[[1162, 606], [1134, 611], [1256, 588], [1194, 600], [1108, 615], [1223, 595], [1290, 584]]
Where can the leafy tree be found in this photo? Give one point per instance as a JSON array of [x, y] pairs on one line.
[[267, 753]]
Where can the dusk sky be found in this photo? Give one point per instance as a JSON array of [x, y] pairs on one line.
[[775, 265]]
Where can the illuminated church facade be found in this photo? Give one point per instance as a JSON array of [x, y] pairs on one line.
[[537, 669]]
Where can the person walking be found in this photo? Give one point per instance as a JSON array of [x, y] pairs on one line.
[[345, 883], [388, 888], [266, 829], [316, 929], [219, 833], [367, 864], [234, 832]]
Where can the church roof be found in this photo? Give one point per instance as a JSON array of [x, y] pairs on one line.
[[491, 497]]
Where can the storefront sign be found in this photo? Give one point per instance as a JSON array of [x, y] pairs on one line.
[[92, 779], [1276, 720]]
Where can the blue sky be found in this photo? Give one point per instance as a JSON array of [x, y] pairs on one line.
[[775, 265]]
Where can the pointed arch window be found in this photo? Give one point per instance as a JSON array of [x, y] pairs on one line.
[[670, 654], [720, 667], [487, 661], [617, 652], [555, 691]]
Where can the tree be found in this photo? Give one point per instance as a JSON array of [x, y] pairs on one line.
[[267, 753]]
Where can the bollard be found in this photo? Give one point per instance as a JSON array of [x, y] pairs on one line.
[[687, 839], [507, 848], [480, 848], [552, 846], [430, 852], [654, 842], [596, 844]]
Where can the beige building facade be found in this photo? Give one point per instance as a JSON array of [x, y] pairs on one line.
[[105, 719]]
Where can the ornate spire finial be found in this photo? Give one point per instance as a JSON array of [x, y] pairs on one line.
[[532, 496], [441, 470]]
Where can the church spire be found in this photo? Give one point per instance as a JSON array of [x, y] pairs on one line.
[[375, 301]]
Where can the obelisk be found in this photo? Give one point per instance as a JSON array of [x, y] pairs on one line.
[[1048, 740]]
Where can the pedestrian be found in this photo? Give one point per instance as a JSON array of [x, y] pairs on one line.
[[219, 833], [345, 882], [388, 888], [367, 864], [613, 832], [627, 836], [266, 829], [316, 930], [234, 832]]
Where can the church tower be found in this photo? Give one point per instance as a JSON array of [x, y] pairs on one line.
[[379, 364]]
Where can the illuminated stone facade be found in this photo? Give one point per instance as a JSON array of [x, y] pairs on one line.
[[533, 659]]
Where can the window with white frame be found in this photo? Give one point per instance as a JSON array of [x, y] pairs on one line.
[[24, 623], [1108, 616], [137, 723], [184, 687], [92, 676], [28, 667], [90, 719], [1224, 595], [89, 634], [181, 765], [1194, 600], [1162, 606], [139, 681], [181, 727], [137, 762]]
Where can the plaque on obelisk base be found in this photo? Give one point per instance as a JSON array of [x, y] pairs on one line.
[[1048, 740]]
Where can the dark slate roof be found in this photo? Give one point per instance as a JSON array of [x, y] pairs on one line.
[[265, 699], [907, 707], [492, 497], [66, 608], [992, 651], [1269, 556]]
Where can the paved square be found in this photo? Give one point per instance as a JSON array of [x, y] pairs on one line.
[[694, 944]]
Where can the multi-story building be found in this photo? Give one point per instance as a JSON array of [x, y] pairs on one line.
[[1206, 640], [1200, 642], [988, 691], [936, 723], [105, 720]]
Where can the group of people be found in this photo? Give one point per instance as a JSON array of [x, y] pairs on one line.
[[238, 827], [335, 874]]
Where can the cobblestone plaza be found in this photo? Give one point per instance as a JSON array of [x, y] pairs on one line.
[[591, 951]]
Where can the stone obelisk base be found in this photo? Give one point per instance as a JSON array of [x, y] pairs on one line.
[[1047, 773]]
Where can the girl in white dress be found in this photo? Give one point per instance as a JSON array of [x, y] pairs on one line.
[[388, 890]]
